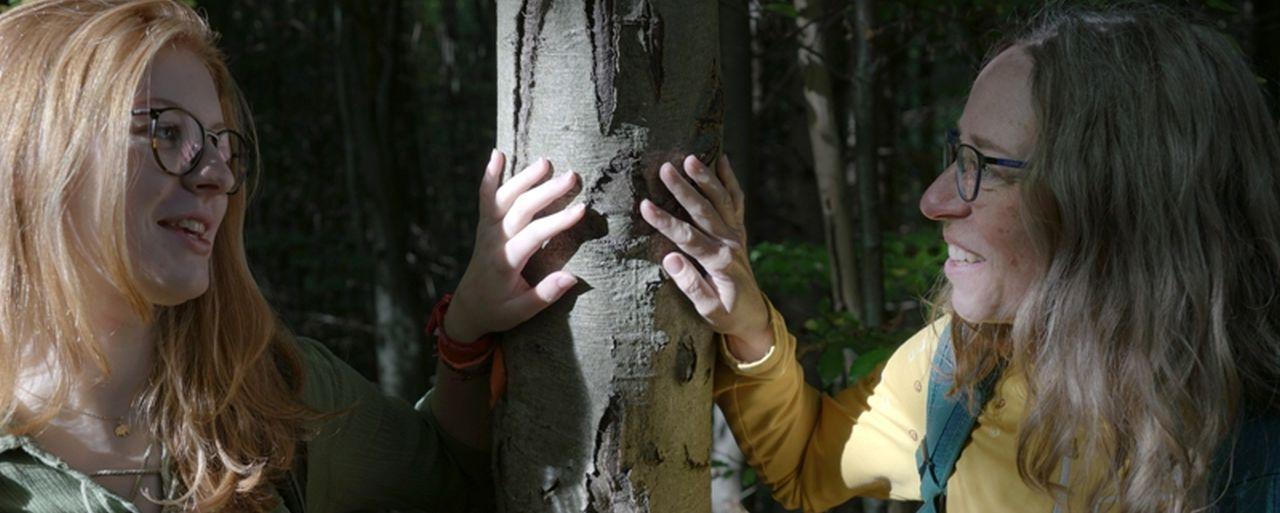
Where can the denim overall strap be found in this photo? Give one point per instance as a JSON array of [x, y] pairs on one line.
[[948, 424], [1246, 471]]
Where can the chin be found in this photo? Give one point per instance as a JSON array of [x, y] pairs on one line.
[[175, 290], [971, 310]]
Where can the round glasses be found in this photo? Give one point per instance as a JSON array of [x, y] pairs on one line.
[[179, 140], [972, 164]]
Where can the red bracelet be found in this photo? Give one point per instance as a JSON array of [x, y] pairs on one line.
[[468, 359]]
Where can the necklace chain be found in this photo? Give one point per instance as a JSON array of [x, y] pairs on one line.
[[122, 427]]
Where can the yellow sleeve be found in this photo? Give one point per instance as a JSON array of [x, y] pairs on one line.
[[816, 451]]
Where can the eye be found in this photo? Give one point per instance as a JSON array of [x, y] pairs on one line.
[[168, 135], [998, 175]]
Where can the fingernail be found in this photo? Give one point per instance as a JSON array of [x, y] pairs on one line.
[[493, 155], [566, 281], [677, 265]]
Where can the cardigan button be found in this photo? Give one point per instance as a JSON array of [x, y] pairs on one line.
[[918, 386], [915, 437]]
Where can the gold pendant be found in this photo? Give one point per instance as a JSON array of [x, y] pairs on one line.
[[122, 429]]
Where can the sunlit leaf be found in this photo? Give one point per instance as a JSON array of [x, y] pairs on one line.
[[783, 8], [868, 361]]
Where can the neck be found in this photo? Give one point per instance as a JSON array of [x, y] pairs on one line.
[[127, 344]]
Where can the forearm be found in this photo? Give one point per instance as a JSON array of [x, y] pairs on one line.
[[461, 406]]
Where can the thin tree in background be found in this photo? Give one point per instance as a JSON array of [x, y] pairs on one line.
[[867, 158], [828, 159], [608, 404], [367, 60]]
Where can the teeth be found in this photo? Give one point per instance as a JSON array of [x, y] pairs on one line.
[[191, 225], [960, 255]]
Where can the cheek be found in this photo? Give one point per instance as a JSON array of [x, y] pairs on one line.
[[1017, 254]]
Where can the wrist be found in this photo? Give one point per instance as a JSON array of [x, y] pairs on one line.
[[470, 357], [750, 346], [457, 325]]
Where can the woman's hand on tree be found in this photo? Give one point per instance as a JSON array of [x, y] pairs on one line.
[[493, 296], [727, 295]]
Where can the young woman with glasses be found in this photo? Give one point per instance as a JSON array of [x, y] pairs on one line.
[[1110, 200], [140, 367]]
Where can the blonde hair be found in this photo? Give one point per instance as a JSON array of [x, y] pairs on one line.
[[1153, 205], [225, 395]]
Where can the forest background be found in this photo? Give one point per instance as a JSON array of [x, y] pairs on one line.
[[375, 119]]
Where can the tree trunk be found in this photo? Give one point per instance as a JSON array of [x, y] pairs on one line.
[[828, 160], [367, 60], [608, 404], [868, 163]]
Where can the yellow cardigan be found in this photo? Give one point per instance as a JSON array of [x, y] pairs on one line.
[[818, 451]]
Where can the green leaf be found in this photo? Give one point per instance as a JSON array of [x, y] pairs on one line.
[[831, 364], [1221, 5], [868, 361], [748, 477], [783, 8]]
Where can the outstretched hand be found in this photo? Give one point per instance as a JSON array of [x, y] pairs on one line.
[[493, 296], [727, 296]]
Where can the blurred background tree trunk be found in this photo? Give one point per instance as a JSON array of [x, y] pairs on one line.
[[868, 180], [609, 391], [827, 148], [368, 58]]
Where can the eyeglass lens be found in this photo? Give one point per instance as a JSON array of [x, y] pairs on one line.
[[967, 163], [180, 142]]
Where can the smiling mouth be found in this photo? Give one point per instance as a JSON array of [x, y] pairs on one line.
[[193, 228], [959, 255]]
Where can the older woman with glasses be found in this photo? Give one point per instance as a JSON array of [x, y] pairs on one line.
[[1108, 337], [140, 366]]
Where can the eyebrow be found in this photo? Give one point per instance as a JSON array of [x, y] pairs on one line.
[[986, 144], [165, 102]]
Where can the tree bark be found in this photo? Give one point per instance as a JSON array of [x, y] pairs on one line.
[[828, 160], [608, 399], [868, 165], [367, 60]]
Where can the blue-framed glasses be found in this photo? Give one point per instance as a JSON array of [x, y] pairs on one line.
[[971, 164]]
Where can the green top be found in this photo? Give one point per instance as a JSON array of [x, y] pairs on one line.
[[382, 454]]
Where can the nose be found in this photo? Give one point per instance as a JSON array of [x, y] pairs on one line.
[[212, 175], [941, 201]]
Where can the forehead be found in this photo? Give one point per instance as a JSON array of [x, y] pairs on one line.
[[999, 108], [178, 78]]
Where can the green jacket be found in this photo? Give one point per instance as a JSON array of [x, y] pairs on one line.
[[383, 454]]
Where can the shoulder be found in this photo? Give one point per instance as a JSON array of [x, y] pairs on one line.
[[916, 354], [328, 383]]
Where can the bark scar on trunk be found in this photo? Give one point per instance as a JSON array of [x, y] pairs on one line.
[[604, 55], [686, 360], [609, 484], [648, 24], [529, 21], [708, 126]]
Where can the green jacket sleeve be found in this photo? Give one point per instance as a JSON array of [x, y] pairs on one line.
[[379, 452]]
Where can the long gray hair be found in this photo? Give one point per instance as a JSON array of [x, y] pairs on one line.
[[1153, 204]]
